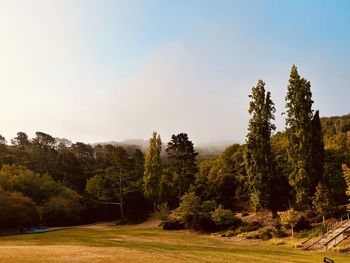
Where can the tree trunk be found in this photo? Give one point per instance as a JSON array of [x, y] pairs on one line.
[[180, 187], [122, 220], [292, 231], [274, 213], [154, 207]]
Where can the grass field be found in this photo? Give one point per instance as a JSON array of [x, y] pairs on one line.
[[146, 243]]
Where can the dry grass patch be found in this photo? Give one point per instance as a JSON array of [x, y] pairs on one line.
[[146, 243]]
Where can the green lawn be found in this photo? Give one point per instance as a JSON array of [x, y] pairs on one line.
[[146, 243]]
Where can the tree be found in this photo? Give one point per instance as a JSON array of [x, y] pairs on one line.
[[113, 184], [291, 218], [46, 195], [322, 200], [258, 156], [217, 179], [17, 210], [189, 210], [21, 145], [181, 158], [63, 208], [299, 132], [44, 152], [317, 152], [346, 171], [68, 170], [85, 154], [153, 170], [5, 154]]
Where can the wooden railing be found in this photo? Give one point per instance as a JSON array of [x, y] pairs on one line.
[[329, 229], [336, 239], [311, 241]]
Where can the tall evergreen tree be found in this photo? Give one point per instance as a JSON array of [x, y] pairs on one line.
[[181, 158], [258, 156], [153, 170], [299, 132], [318, 152]]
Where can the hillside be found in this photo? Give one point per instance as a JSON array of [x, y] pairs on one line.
[[336, 131]]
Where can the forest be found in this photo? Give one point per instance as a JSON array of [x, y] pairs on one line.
[[51, 181]]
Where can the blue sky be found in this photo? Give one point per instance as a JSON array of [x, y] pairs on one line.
[[112, 70]]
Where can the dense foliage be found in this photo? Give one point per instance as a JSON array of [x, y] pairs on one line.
[[52, 181]]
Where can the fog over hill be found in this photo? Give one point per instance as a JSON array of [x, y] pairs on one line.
[[205, 150]]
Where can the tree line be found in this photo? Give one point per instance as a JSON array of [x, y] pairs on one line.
[[52, 181]]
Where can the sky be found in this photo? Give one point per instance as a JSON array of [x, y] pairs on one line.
[[103, 70]]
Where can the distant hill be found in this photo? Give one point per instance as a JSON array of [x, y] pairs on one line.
[[129, 144], [212, 150], [205, 150]]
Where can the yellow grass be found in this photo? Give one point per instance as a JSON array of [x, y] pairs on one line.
[[147, 243]]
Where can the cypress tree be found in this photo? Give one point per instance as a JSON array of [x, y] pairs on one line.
[[318, 152], [258, 155], [299, 133], [153, 170]]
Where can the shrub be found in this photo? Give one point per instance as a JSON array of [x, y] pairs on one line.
[[244, 228], [17, 210], [188, 210], [164, 212], [277, 229], [311, 232], [223, 217], [302, 224], [279, 233], [64, 208], [264, 235], [229, 233], [172, 224], [207, 207]]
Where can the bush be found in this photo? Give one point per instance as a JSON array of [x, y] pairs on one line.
[[277, 229], [244, 228], [264, 235], [202, 216], [311, 232], [188, 210], [17, 210], [164, 212], [229, 233], [205, 224], [223, 217], [302, 224], [245, 214], [172, 224], [63, 209], [279, 233]]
